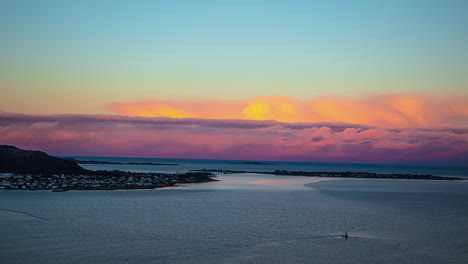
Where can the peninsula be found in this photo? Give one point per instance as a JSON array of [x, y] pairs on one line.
[[337, 174], [35, 170]]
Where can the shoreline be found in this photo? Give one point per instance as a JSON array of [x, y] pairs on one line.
[[100, 180], [344, 174], [124, 180]]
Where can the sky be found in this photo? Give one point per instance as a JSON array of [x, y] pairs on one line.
[[396, 67]]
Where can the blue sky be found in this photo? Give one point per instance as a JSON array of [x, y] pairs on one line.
[[135, 50]]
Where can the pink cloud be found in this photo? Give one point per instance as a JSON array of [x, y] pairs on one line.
[[111, 135]]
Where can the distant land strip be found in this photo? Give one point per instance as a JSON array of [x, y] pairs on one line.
[[345, 174], [117, 163], [251, 163]]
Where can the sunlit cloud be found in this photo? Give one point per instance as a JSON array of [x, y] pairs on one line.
[[113, 135], [212, 109], [383, 110]]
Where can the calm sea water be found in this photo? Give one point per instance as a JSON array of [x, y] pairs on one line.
[[192, 164], [244, 218]]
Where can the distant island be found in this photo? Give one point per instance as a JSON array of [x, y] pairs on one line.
[[35, 170], [116, 163], [344, 174], [251, 163]]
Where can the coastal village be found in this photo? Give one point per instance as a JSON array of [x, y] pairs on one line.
[[101, 180], [36, 170]]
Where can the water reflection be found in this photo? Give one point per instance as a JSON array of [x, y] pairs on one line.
[[257, 181]]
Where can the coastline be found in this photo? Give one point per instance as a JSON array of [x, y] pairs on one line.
[[121, 180], [344, 174], [100, 180]]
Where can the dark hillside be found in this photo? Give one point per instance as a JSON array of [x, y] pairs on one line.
[[15, 160]]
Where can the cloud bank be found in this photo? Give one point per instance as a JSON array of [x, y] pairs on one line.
[[382, 110], [113, 135]]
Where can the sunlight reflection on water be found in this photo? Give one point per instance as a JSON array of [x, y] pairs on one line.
[[258, 181]]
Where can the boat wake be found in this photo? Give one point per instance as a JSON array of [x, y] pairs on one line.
[[24, 213]]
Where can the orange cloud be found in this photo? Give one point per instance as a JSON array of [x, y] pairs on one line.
[[213, 109], [382, 110]]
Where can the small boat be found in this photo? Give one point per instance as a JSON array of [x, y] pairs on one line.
[[345, 235]]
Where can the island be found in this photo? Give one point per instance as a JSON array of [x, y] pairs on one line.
[[337, 174], [117, 163], [251, 163], [35, 170]]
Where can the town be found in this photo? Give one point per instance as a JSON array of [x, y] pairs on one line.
[[99, 180]]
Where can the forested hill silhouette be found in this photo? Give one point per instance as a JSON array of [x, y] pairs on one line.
[[15, 160]]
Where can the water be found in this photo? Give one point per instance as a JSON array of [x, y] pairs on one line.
[[244, 218], [193, 164]]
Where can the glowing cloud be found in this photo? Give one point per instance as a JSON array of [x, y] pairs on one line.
[[212, 109], [384, 110], [111, 135]]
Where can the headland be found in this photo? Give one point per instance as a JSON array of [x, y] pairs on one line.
[[35, 170]]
